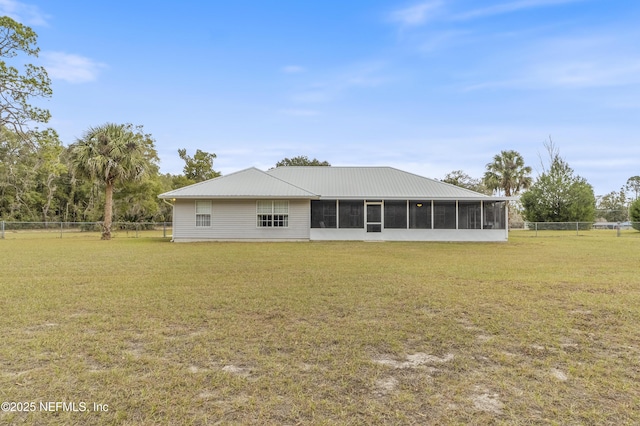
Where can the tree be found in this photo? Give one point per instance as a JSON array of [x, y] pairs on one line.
[[633, 185], [634, 214], [463, 180], [29, 174], [199, 167], [17, 161], [17, 87], [613, 206], [507, 173], [137, 201], [49, 169], [558, 195], [301, 160], [110, 154]]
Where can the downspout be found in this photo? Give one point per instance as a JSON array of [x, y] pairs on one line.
[[506, 220], [173, 215]]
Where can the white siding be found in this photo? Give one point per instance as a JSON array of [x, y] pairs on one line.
[[237, 220], [411, 235]]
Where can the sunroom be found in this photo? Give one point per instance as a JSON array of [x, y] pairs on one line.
[[446, 220]]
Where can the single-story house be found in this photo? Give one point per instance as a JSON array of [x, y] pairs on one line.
[[334, 203]]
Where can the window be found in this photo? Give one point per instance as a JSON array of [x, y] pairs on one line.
[[444, 215], [272, 214], [395, 214], [203, 213], [323, 214], [469, 215], [494, 214], [351, 214], [420, 214]]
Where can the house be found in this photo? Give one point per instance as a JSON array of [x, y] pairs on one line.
[[334, 203]]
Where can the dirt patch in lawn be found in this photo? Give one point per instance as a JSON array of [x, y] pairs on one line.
[[413, 361]]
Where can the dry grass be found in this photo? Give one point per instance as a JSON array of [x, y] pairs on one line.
[[535, 331]]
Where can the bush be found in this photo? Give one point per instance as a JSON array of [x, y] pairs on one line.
[[634, 214]]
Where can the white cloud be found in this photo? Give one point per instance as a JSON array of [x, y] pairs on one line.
[[293, 69], [421, 13], [510, 7], [593, 61], [300, 112], [578, 74], [417, 14], [23, 13], [449, 23], [606, 60], [358, 76], [70, 67], [443, 39]]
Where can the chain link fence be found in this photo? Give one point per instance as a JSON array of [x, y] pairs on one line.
[[616, 229], [14, 230], [9, 230]]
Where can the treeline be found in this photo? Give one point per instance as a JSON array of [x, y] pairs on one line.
[[557, 194], [39, 182], [112, 173]]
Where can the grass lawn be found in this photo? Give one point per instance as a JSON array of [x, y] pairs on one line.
[[534, 331]]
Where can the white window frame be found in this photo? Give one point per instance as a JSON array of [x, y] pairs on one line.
[[272, 213], [204, 213]]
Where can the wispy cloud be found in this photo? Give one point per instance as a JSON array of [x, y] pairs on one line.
[[567, 63], [417, 14], [442, 39], [434, 10], [433, 26], [584, 74], [70, 67], [300, 112], [509, 7], [331, 87], [24, 13], [293, 69]]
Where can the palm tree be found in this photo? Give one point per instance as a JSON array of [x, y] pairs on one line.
[[507, 172], [112, 153]]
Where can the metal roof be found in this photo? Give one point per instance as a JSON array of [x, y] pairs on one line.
[[370, 183], [326, 182], [247, 183]]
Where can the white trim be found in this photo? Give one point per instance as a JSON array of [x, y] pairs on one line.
[[277, 208], [206, 211], [459, 235], [366, 214]]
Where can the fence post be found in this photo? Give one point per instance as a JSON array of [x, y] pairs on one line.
[[536, 229], [61, 225], [577, 227], [3, 229], [164, 229]]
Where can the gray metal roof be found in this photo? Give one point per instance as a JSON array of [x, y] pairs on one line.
[[247, 183], [370, 183], [326, 183]]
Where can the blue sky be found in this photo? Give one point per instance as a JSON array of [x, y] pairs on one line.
[[426, 86]]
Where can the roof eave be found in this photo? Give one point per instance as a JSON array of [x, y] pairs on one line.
[[416, 197], [237, 197]]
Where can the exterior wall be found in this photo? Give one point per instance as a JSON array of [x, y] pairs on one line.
[[237, 220], [486, 235]]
